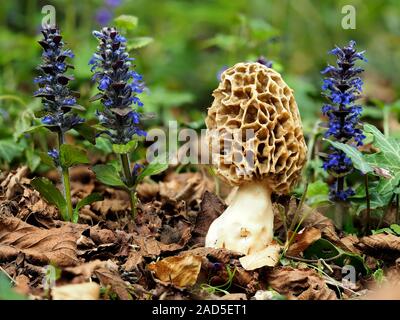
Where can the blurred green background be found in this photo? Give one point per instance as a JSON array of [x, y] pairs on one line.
[[192, 41]]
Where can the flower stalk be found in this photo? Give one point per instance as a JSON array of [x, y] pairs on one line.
[[58, 101], [342, 87], [119, 87]]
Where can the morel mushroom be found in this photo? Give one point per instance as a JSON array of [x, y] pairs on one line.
[[253, 98]]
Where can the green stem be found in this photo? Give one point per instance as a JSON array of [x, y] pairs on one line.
[[67, 190], [66, 185], [126, 168]]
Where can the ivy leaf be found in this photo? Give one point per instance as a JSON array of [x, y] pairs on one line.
[[356, 156], [51, 194], [127, 22], [152, 169], [388, 158], [72, 155], [108, 175], [85, 201], [125, 148]]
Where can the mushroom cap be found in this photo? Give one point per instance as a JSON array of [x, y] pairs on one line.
[[252, 96]]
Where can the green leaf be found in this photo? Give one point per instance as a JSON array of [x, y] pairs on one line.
[[85, 201], [33, 159], [9, 150], [72, 155], [23, 123], [152, 169], [46, 159], [51, 194], [86, 131], [108, 175], [383, 230], [356, 156], [104, 145], [6, 290], [125, 148], [395, 228], [139, 42], [317, 193], [127, 22], [323, 249]]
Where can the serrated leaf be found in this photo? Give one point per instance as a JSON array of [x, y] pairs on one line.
[[356, 156], [127, 22], [51, 194], [108, 175], [139, 42], [125, 148], [72, 155], [152, 169], [85, 201]]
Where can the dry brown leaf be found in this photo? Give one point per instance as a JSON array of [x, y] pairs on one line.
[[381, 244], [80, 291], [134, 259], [269, 257], [114, 281], [148, 190], [300, 284], [181, 271], [189, 187], [22, 284], [110, 205], [102, 236], [57, 245], [303, 240], [12, 183], [86, 270], [211, 207]]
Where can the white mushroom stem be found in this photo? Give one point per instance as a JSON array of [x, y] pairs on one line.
[[247, 225]]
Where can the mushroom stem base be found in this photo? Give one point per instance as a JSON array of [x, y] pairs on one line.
[[247, 225]]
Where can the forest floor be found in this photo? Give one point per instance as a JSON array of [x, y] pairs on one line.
[[162, 255]]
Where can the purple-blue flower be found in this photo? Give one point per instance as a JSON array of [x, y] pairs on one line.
[[57, 98], [342, 86], [119, 87], [55, 155]]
